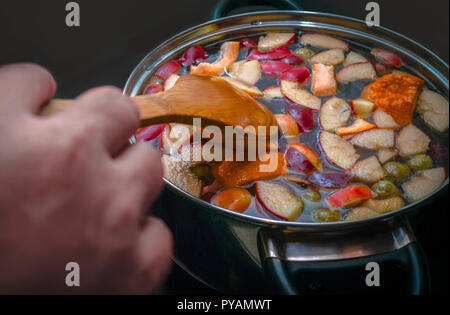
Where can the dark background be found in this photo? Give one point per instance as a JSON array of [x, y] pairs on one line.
[[115, 35]]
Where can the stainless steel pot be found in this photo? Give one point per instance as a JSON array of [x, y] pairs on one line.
[[237, 253]]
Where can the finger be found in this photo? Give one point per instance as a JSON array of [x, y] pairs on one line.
[[25, 87], [114, 118], [141, 165], [154, 252]]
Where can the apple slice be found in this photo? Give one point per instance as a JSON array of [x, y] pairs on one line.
[[338, 151], [272, 92], [384, 120], [424, 183], [353, 57], [349, 197], [375, 139], [358, 126], [167, 69], [293, 60], [276, 54], [362, 108], [368, 170], [229, 54], [388, 57], [279, 200], [171, 81], [179, 173], [382, 69], [324, 83], [274, 40], [330, 180], [153, 89], [386, 155], [293, 92], [175, 136], [193, 56], [303, 116], [248, 43], [234, 199], [385, 205], [303, 159], [361, 213], [251, 90], [150, 133], [356, 72], [248, 72], [300, 75], [288, 125], [411, 140], [323, 41], [334, 113], [331, 57], [434, 109], [275, 68]]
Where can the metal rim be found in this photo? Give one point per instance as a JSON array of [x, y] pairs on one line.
[[338, 226]]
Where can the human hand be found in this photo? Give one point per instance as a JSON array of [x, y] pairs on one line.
[[73, 191]]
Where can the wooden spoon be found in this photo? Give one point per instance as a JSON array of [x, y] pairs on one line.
[[212, 99]]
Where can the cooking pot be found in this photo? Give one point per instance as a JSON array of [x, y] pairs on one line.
[[237, 253]]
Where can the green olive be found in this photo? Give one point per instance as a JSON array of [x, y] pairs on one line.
[[204, 173], [396, 171], [326, 215], [385, 188], [304, 53], [420, 162], [312, 196]]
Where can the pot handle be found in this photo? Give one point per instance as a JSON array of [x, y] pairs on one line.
[[406, 265], [226, 6]]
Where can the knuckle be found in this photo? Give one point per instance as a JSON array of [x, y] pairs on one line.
[[31, 71]]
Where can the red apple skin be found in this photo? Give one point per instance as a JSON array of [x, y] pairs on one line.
[[150, 133], [293, 60], [313, 158], [387, 56], [299, 75], [303, 116], [275, 54], [330, 180], [349, 196], [298, 161], [274, 68], [193, 56], [382, 69], [153, 89], [167, 70], [248, 43], [260, 203]]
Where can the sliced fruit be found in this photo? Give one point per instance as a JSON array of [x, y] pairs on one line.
[[382, 69], [329, 57], [249, 89], [248, 43], [356, 72], [384, 120], [362, 108], [323, 83], [368, 170], [299, 75], [303, 159], [424, 183], [274, 40], [439, 154], [279, 200], [175, 136], [395, 95], [350, 197], [178, 172], [385, 205], [303, 116], [171, 81], [233, 174], [434, 109], [353, 57], [274, 68], [326, 215], [193, 56], [276, 54], [323, 41], [332, 180], [396, 171], [420, 162], [338, 151], [334, 113], [361, 213], [288, 126], [294, 93], [229, 54], [149, 133], [375, 139], [386, 155], [234, 199], [304, 53], [411, 140], [385, 188], [248, 72], [312, 196], [153, 89], [358, 126], [167, 69], [387, 57], [293, 60], [273, 92]]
